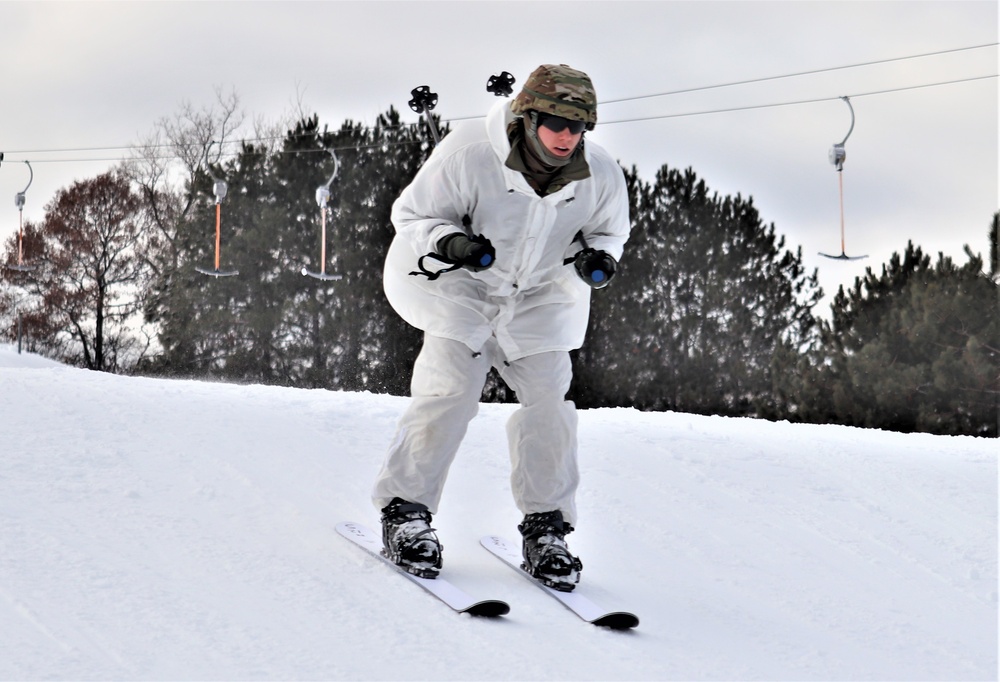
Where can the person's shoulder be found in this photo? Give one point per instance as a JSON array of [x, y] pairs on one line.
[[600, 160], [598, 153], [467, 155], [465, 134]]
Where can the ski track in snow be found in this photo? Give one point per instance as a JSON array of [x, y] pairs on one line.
[[160, 530]]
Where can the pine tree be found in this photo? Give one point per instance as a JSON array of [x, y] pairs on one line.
[[310, 321], [168, 168], [706, 298], [271, 324], [344, 334], [376, 349], [914, 349], [994, 238]]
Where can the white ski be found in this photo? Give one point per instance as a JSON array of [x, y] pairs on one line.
[[439, 587], [510, 554]]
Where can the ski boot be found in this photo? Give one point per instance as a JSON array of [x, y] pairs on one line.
[[408, 539], [546, 556]]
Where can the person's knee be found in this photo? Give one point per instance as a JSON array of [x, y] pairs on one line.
[[540, 379], [448, 368]]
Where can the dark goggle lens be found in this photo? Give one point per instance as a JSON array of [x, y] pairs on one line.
[[557, 124]]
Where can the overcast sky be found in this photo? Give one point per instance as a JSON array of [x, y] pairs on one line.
[[921, 161]]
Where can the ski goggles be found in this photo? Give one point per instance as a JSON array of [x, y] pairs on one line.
[[557, 124]]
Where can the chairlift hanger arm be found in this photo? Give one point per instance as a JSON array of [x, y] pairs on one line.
[[847, 100], [208, 166], [838, 153], [322, 198], [323, 192], [336, 167], [19, 197], [220, 188]]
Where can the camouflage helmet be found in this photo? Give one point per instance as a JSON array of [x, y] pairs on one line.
[[559, 90]]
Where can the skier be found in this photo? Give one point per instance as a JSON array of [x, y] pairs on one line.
[[499, 240]]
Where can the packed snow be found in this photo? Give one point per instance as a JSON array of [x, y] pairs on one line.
[[157, 529]]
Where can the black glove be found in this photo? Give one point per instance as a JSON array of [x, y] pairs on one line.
[[475, 254], [596, 268]]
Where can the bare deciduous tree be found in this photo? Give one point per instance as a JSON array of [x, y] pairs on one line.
[[91, 274], [168, 164]]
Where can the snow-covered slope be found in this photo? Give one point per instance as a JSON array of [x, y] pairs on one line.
[[156, 529]]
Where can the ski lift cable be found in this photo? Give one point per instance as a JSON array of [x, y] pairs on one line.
[[613, 101], [624, 120], [170, 157], [794, 75], [797, 102], [636, 119]]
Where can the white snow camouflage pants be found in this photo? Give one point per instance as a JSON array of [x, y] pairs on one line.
[[446, 388]]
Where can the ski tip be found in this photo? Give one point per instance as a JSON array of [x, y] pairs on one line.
[[491, 608], [619, 620]]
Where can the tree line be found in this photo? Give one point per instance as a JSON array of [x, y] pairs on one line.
[[710, 313]]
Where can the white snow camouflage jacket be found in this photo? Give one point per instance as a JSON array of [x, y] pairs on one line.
[[530, 300]]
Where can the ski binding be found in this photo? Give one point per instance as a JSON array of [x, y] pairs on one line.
[[583, 607], [441, 588]]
